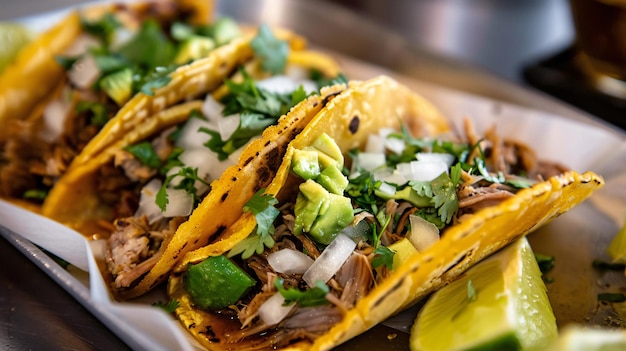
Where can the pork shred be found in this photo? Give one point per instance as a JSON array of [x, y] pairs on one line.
[[135, 246]]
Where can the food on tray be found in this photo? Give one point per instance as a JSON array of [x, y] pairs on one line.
[[166, 186], [102, 61], [376, 204]]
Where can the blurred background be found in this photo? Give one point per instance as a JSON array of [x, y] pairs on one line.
[[499, 36]]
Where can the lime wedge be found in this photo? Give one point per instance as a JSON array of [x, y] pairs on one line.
[[578, 338], [12, 38], [499, 304], [617, 247]]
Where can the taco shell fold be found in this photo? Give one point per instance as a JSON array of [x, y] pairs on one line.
[[376, 104]]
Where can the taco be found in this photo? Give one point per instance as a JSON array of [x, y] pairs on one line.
[[66, 85], [196, 162], [375, 205]]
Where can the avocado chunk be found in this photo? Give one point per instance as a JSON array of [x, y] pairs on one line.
[[333, 180], [305, 164], [216, 283], [308, 205], [407, 194], [335, 214], [193, 48], [321, 214], [330, 151], [118, 85]]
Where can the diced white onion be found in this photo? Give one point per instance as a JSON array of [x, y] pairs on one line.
[[81, 45], [381, 173], [422, 170], [54, 116], [370, 161], [211, 108], [282, 84], [387, 188], [375, 143], [448, 159], [395, 178], [289, 261], [147, 204], [423, 233], [84, 72], [121, 36], [191, 138], [297, 72], [392, 144], [330, 261], [272, 310], [180, 203], [228, 125]]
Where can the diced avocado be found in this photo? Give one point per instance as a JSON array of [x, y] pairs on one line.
[[305, 164], [326, 145], [216, 283], [335, 214], [194, 48], [308, 205], [118, 85], [333, 180], [403, 249], [407, 194]]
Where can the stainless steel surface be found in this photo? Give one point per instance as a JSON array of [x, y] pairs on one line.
[[38, 314]]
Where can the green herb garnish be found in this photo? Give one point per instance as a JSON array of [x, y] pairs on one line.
[[272, 51], [168, 307], [145, 153], [308, 298], [383, 256]]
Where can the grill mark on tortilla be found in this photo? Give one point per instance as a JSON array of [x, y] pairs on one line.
[[234, 179], [248, 161], [273, 158], [267, 143], [354, 124], [224, 196], [216, 234], [395, 287], [329, 97]]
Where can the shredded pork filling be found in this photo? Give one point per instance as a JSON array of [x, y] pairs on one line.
[[357, 276]]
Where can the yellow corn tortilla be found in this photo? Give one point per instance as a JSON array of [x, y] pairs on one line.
[[35, 79], [74, 200], [460, 247]]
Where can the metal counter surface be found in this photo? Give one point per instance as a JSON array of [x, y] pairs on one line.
[[409, 37]]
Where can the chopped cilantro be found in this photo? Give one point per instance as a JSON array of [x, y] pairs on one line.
[[257, 109], [145, 153], [189, 177], [383, 256], [157, 79], [149, 48], [168, 307], [545, 262], [308, 298], [103, 28], [321, 81], [272, 51], [98, 111], [262, 206]]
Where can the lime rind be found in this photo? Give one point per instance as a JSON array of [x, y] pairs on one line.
[[511, 310]]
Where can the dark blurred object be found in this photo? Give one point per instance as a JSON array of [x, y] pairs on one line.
[[561, 75]]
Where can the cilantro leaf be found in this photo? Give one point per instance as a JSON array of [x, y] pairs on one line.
[[308, 298], [383, 256], [189, 177], [272, 51], [168, 307], [145, 153], [158, 78], [321, 81], [98, 111], [444, 193], [262, 206], [103, 28], [35, 194], [254, 243], [149, 48]]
